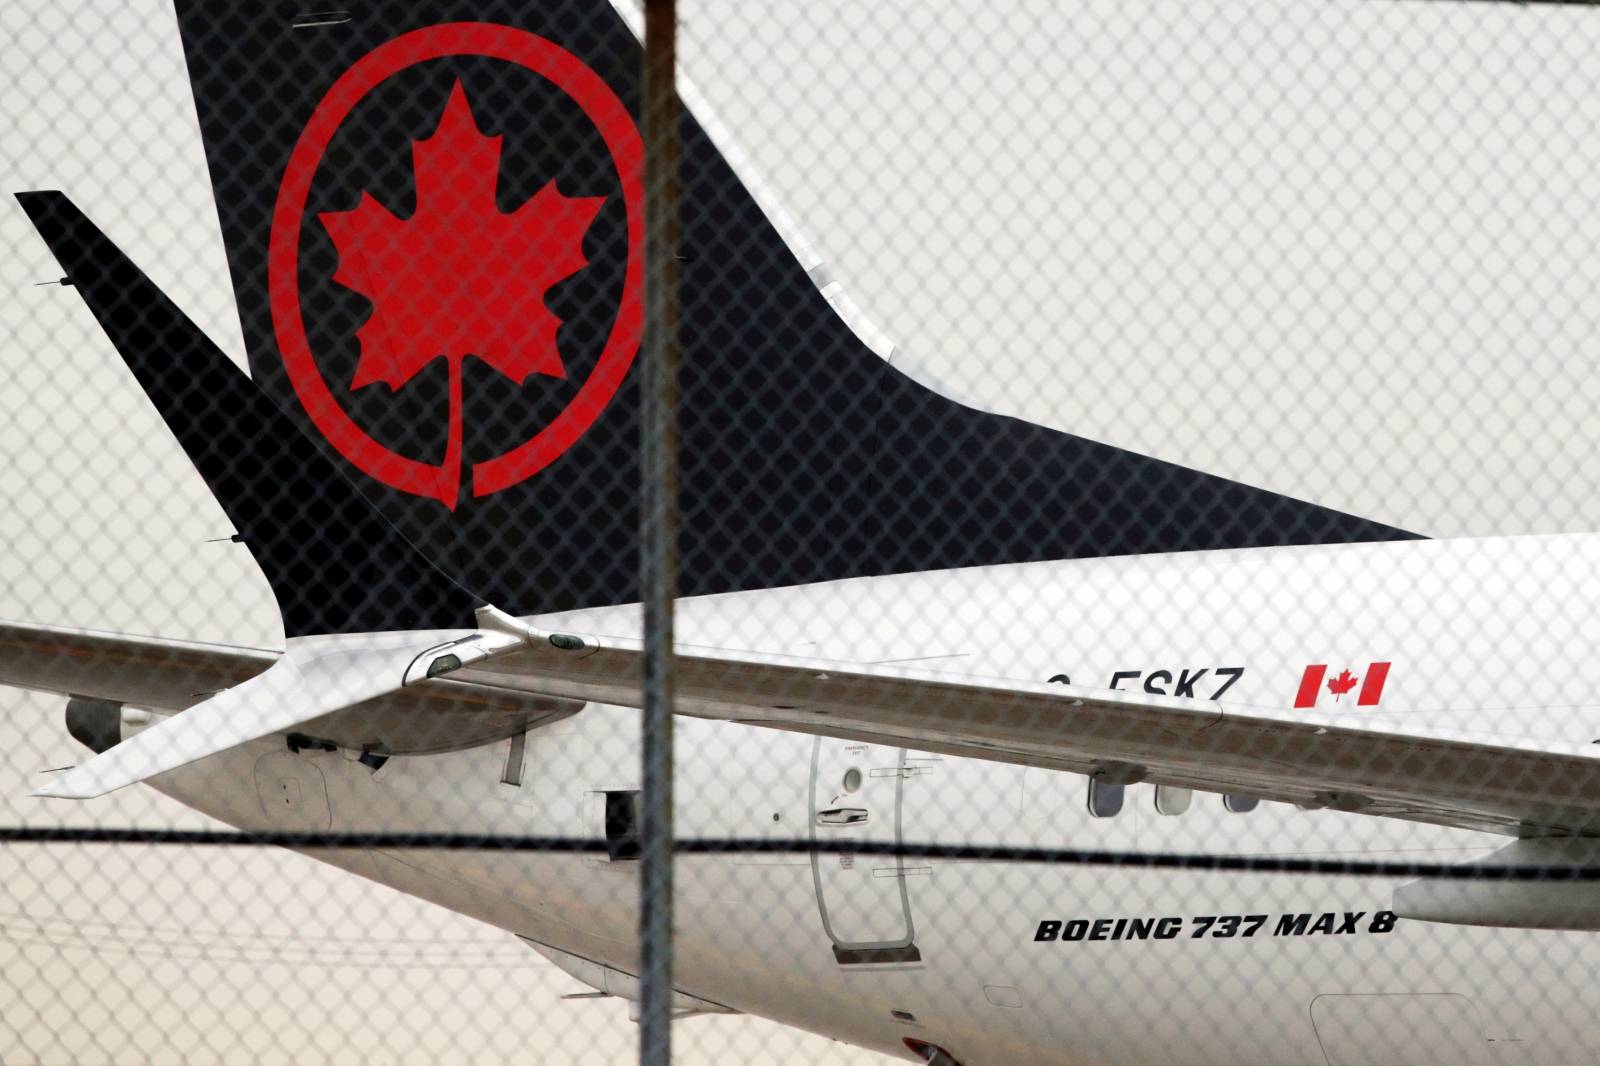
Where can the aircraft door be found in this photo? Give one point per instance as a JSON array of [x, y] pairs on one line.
[[857, 791], [1423, 1029]]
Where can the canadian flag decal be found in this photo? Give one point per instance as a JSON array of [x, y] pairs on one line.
[[1316, 678]]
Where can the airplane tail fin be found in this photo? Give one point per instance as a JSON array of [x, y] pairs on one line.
[[434, 226], [335, 564]]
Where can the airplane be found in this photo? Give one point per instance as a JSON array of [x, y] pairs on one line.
[[906, 621]]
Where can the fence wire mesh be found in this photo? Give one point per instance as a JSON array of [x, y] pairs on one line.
[[1138, 473]]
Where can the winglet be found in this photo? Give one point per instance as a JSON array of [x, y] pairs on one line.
[[335, 563]]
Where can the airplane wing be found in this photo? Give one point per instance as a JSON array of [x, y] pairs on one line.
[[524, 676], [1487, 782], [386, 691]]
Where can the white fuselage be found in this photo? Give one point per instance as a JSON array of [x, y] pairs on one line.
[[1136, 966]]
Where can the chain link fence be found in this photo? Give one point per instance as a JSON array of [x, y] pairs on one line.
[[1225, 355]]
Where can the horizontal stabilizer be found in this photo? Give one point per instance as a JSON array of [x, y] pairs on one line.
[[316, 676]]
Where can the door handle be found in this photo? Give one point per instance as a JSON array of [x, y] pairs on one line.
[[842, 816]]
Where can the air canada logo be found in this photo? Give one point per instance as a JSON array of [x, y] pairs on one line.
[[460, 275]]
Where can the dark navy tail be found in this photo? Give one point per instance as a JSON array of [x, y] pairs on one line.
[[334, 563], [432, 223]]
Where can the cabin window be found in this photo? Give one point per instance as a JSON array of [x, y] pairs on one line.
[[622, 825], [1105, 800], [1240, 804], [1172, 801]]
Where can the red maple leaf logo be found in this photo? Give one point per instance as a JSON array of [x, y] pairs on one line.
[[459, 277], [1342, 684]]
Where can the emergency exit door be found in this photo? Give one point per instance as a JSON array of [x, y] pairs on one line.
[[857, 793]]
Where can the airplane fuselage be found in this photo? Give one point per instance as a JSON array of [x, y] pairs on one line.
[[1010, 962]]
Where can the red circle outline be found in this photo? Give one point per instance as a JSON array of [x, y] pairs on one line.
[[568, 73]]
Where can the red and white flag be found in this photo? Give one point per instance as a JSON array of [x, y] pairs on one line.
[[1311, 685]]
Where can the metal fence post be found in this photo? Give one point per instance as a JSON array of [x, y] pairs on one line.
[[659, 516]]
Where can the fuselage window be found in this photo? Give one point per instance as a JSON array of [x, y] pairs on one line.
[[1105, 801], [1170, 800], [1240, 804]]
